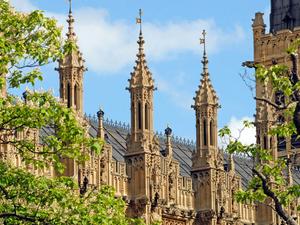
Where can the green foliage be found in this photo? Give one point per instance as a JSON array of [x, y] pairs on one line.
[[40, 200], [27, 42], [65, 135], [271, 176], [273, 171]]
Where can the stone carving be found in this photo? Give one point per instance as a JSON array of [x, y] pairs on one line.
[[169, 221], [103, 170], [172, 185]]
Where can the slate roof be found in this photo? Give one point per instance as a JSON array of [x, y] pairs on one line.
[[116, 133]]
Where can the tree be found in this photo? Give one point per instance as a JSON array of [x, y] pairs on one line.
[[27, 42], [271, 176], [27, 199]]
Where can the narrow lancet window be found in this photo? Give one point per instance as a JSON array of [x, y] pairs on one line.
[[61, 90], [265, 142], [204, 133], [139, 116], [211, 131], [76, 96], [146, 117], [69, 95]]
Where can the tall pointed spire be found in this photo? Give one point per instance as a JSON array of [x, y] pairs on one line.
[[204, 60], [206, 93], [71, 34], [139, 20], [206, 107], [71, 69], [141, 87], [141, 74]]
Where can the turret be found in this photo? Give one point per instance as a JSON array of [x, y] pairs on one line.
[[141, 88], [169, 150], [205, 106], [100, 115], [71, 69]]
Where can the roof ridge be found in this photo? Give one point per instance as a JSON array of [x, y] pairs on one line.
[[126, 127]]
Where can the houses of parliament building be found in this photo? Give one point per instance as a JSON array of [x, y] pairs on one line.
[[174, 181]]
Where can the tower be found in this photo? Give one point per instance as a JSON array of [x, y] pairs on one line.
[[143, 155], [141, 88], [207, 160], [269, 49], [71, 69], [205, 106]]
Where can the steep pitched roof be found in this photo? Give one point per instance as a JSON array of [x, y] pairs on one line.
[[116, 133], [206, 93]]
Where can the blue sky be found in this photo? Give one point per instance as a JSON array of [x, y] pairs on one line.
[[107, 36]]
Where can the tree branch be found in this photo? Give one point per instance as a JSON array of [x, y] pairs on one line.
[[278, 206], [271, 103], [21, 217]]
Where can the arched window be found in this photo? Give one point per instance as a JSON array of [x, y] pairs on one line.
[[69, 99], [146, 116], [265, 142], [76, 96], [61, 90], [139, 116], [198, 131], [211, 131], [204, 133]]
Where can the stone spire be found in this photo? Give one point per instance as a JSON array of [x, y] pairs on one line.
[[141, 87], [231, 163], [264, 120], [169, 150], [71, 34], [100, 115], [141, 76], [71, 69], [206, 105], [206, 93]]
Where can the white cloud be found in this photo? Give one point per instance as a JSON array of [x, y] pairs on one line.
[[23, 5], [173, 88], [110, 45], [184, 36], [244, 135]]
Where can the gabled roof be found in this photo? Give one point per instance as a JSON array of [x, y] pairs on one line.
[[116, 133]]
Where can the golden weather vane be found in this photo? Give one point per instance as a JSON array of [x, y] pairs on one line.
[[203, 39], [139, 19]]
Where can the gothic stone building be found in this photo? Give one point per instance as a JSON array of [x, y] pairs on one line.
[[165, 178]]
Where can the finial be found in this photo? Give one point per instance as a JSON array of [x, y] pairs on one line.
[[70, 6], [231, 163], [70, 34], [139, 20], [203, 40], [100, 113], [141, 39], [168, 131], [205, 60]]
